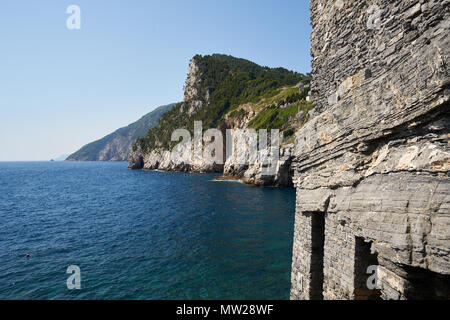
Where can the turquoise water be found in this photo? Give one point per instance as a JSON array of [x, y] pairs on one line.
[[140, 235]]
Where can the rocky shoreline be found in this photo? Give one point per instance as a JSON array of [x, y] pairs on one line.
[[249, 174]]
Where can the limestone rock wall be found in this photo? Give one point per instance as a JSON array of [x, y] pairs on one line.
[[372, 165], [249, 173], [252, 173], [162, 159]]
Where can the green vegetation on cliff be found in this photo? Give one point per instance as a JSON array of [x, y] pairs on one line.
[[222, 85]]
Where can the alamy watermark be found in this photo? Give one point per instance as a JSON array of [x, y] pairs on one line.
[[74, 280], [373, 281], [73, 22]]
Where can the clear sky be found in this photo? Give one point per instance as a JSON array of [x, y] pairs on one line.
[[61, 88]]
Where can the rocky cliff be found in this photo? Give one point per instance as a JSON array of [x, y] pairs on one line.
[[229, 93], [117, 145], [372, 165]]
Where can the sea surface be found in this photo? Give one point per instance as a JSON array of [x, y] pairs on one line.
[[140, 234]]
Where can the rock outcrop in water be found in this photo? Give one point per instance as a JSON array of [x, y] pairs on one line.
[[230, 93], [372, 165]]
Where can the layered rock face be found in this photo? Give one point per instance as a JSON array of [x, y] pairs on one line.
[[164, 160], [372, 165], [252, 172]]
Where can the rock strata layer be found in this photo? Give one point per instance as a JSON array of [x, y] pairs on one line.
[[372, 165]]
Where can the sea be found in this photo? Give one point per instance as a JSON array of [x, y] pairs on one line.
[[97, 230]]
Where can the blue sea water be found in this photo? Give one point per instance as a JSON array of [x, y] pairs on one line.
[[140, 234]]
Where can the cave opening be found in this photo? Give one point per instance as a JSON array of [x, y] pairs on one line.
[[317, 254]]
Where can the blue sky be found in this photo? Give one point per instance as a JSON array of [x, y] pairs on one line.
[[61, 89]]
